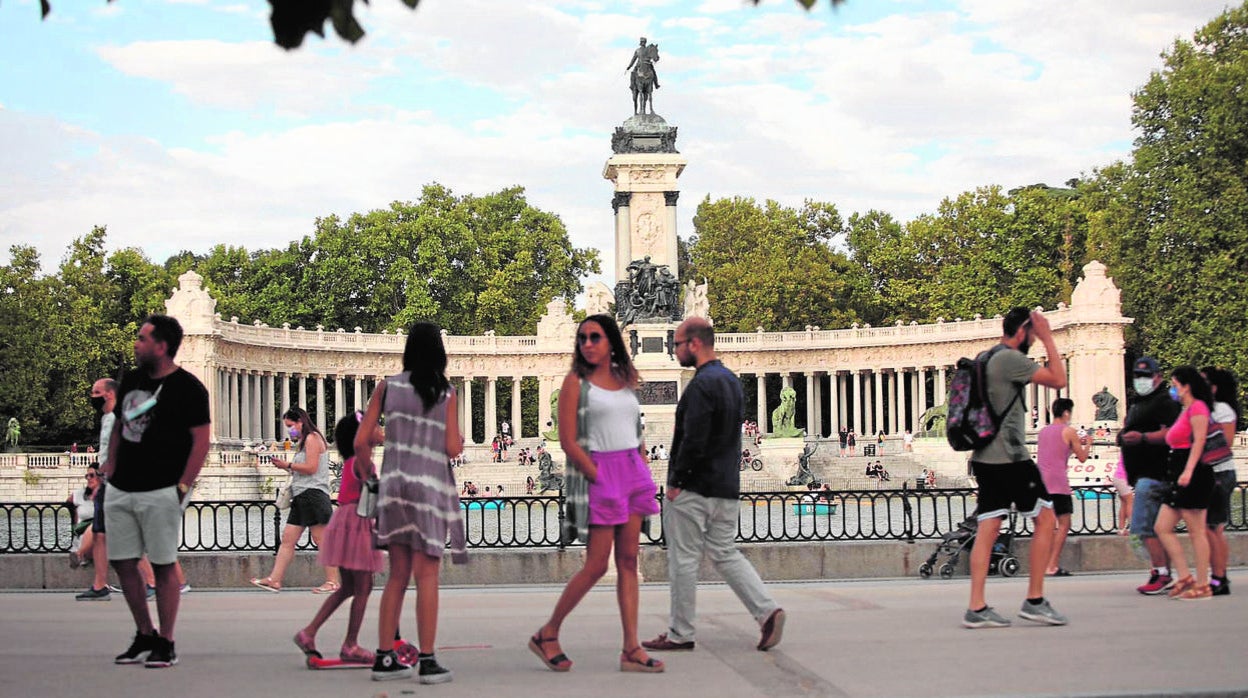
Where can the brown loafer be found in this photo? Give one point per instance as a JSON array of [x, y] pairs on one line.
[[663, 644], [773, 629]]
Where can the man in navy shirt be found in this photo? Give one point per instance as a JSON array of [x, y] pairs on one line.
[[703, 484]]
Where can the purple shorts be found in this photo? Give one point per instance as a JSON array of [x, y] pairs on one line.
[[624, 488]]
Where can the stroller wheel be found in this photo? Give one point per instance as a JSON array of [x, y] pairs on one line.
[[925, 570], [1009, 566], [946, 571]]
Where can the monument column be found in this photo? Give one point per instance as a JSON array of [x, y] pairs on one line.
[[916, 399], [468, 410], [359, 393], [285, 406], [544, 390], [515, 407], [812, 428], [623, 239], [268, 424], [841, 384], [340, 398], [491, 407], [320, 402], [878, 424], [834, 412], [303, 390], [761, 379]]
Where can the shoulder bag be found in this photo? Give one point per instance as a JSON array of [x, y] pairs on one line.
[[575, 486]]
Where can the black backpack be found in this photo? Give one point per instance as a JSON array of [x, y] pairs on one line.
[[971, 423]]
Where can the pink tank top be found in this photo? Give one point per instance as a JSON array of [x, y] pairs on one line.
[[1052, 453], [349, 488]]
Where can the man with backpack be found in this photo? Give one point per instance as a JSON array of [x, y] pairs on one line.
[[1003, 467]]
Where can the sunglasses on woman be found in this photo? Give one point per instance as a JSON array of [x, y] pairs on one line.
[[591, 338]]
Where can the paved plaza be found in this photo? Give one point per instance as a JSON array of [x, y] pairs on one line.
[[864, 638]]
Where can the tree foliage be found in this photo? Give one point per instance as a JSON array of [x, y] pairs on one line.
[[772, 266], [1173, 222]]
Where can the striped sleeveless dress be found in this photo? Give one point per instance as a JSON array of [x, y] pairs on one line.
[[418, 502]]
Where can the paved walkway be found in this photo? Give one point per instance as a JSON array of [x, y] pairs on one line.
[[874, 638]]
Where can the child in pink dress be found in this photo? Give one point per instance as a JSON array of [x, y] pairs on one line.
[[347, 544]]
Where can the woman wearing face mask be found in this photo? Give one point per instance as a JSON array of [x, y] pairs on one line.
[[310, 506], [1193, 484]]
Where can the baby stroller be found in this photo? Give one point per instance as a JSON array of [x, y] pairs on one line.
[[961, 539]]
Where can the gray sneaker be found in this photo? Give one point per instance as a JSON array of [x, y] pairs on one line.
[[1041, 613], [986, 618]]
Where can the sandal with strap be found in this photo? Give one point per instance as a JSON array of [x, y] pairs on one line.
[[267, 584], [630, 662], [559, 662], [356, 655], [306, 644], [326, 588]]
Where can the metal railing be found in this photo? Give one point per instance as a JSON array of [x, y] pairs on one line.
[[535, 521]]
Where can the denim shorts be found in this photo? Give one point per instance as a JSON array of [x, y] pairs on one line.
[[1219, 511], [1150, 494]]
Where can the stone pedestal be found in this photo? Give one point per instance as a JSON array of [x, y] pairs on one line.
[[780, 455]]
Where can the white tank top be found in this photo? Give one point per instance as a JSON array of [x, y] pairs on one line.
[[612, 419]]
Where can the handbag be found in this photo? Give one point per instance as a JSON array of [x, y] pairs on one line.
[[284, 496], [367, 504], [1217, 450], [575, 486]]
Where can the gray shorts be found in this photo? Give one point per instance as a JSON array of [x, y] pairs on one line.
[[144, 522]]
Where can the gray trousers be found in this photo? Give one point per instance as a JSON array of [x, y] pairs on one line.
[[694, 525]]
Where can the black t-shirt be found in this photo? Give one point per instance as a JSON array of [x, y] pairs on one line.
[[153, 447], [1147, 414]]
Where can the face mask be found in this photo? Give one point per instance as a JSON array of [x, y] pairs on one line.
[[1174, 393], [97, 403], [1143, 386], [294, 433]]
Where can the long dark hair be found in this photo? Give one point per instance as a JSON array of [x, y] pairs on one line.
[[621, 363], [92, 468], [424, 357], [306, 427], [1189, 376], [344, 434], [1223, 381]]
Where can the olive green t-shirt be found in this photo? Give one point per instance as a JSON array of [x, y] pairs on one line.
[[1008, 371]]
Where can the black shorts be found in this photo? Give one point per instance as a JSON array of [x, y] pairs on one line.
[[1198, 492], [97, 521], [1062, 504], [1004, 484], [310, 508]]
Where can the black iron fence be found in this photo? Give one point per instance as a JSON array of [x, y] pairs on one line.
[[535, 521]]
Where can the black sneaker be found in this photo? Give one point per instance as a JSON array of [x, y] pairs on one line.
[[140, 648], [162, 655], [94, 594], [387, 667], [432, 672]]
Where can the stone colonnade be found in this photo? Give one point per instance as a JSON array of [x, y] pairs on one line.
[[871, 378]]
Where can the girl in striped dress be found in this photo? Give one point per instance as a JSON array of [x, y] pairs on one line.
[[418, 504]]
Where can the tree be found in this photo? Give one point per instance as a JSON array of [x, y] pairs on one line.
[[1173, 222], [773, 266], [292, 20], [983, 252]]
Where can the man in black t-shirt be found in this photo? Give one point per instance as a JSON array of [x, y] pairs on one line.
[[158, 446], [1144, 455]]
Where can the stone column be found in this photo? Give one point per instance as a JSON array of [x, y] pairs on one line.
[[669, 199], [917, 407], [268, 424], [877, 424], [468, 410], [942, 394], [818, 400], [812, 427], [303, 390], [234, 404], [244, 403], [340, 400], [491, 407], [257, 388], [860, 392], [842, 403], [220, 422], [359, 393], [761, 381], [515, 407], [285, 405], [898, 405], [623, 237], [320, 402], [544, 389]]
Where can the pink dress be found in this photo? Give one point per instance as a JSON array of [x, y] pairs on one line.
[[348, 539]]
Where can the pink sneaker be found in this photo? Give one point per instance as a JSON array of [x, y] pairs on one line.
[[356, 655]]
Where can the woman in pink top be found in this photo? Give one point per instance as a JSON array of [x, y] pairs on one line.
[[1054, 444], [1193, 484]]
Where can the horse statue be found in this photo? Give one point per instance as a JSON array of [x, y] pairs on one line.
[[644, 80]]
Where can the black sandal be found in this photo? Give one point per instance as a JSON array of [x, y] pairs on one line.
[[559, 662], [628, 662]]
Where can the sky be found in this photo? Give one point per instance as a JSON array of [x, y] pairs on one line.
[[179, 125]]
